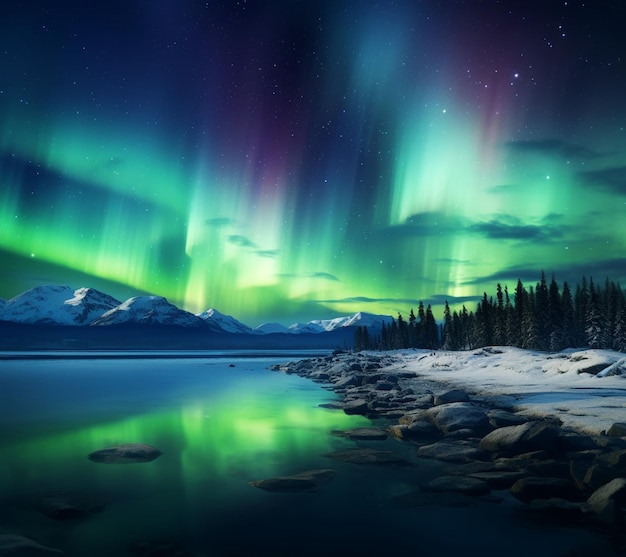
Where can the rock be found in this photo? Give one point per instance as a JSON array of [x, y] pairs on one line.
[[347, 381], [368, 456], [125, 454], [599, 475], [605, 502], [65, 505], [527, 489], [502, 418], [517, 439], [416, 430], [455, 395], [614, 459], [498, 479], [363, 434], [309, 480], [618, 429], [12, 545], [452, 416], [468, 486], [358, 406], [452, 451]]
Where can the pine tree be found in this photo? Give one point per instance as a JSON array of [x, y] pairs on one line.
[[447, 335], [499, 336], [542, 314], [432, 331], [593, 319]]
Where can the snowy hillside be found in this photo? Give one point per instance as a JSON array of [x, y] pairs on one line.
[[224, 322], [57, 305], [148, 310]]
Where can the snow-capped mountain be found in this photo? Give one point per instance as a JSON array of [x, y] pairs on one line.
[[224, 322], [62, 305], [269, 328], [57, 305], [359, 319], [148, 310]]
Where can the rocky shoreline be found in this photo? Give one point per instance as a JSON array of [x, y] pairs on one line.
[[556, 472]]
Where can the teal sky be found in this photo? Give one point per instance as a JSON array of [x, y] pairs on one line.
[[285, 161]]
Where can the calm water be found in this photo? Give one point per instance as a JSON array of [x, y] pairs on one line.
[[219, 427]]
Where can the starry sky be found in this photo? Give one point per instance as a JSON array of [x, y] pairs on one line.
[[288, 160]]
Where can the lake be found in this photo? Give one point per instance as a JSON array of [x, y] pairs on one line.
[[222, 420]]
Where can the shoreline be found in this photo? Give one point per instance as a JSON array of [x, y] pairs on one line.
[[558, 472]]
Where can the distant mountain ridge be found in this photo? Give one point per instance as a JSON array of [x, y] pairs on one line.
[[61, 305]]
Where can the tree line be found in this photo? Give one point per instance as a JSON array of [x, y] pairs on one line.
[[542, 317]]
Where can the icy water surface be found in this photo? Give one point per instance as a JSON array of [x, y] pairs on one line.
[[221, 422]]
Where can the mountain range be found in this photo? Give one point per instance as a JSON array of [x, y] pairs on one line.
[[54, 306]]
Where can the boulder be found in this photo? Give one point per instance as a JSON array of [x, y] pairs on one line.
[[65, 505], [605, 502], [456, 395], [452, 416], [517, 439], [125, 454], [368, 456], [502, 418], [452, 451], [458, 484], [308, 480], [527, 489], [618, 429], [498, 479], [419, 429], [19, 546], [357, 406]]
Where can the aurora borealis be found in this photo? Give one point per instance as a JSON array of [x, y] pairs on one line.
[[294, 160]]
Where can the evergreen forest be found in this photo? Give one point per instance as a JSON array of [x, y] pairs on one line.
[[542, 317]]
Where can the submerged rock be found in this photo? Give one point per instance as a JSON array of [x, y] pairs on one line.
[[308, 480], [368, 456], [19, 546], [65, 505], [467, 486], [527, 489], [125, 454], [363, 434]]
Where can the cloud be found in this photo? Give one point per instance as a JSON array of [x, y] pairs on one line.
[[366, 300], [555, 148], [218, 222], [271, 253], [612, 179], [497, 230], [242, 241], [317, 275]]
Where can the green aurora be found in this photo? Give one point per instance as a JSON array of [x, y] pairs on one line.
[[307, 160]]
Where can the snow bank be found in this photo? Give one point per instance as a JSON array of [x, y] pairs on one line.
[[586, 389]]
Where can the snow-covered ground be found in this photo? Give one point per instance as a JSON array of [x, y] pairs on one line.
[[584, 388]]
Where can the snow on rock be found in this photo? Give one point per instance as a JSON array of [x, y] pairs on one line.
[[579, 387], [57, 305], [149, 310], [224, 322]]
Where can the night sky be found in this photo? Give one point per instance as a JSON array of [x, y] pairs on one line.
[[291, 160]]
